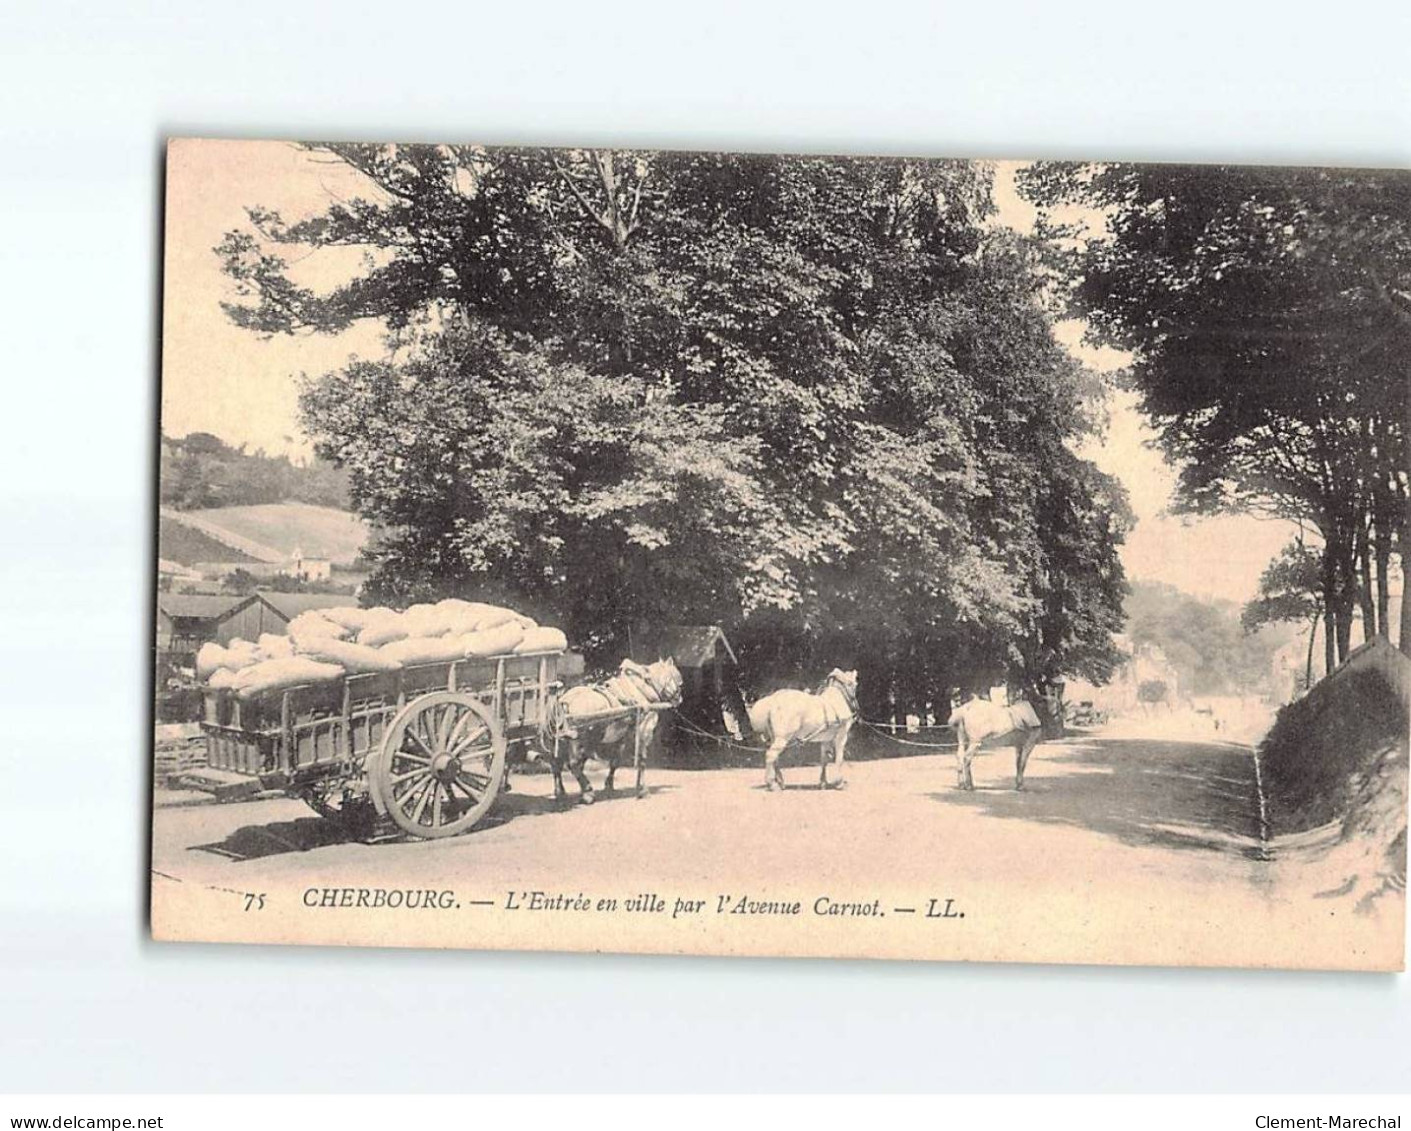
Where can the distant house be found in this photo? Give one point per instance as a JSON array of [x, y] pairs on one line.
[[268, 541], [309, 569]]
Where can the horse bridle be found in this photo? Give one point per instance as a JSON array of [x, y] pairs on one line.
[[673, 695], [849, 694]]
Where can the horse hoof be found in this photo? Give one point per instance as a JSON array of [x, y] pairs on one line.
[[587, 798], [641, 793], [773, 786], [839, 785]]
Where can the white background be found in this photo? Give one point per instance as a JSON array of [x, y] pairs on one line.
[[85, 100]]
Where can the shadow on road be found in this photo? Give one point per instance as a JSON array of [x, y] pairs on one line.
[[254, 842], [1140, 792]]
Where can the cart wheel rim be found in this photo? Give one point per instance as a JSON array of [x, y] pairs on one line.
[[441, 765]]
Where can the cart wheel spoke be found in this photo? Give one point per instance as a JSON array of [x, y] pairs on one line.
[[400, 800], [446, 728], [468, 727], [441, 764], [466, 743], [421, 804], [425, 749]]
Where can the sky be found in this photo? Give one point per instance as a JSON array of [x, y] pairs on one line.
[[221, 379]]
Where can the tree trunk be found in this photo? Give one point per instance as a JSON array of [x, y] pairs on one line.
[[1404, 636], [1363, 575], [1330, 604], [1344, 630], [1383, 554], [1312, 638]]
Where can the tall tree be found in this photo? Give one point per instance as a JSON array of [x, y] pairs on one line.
[[1269, 311], [818, 400]]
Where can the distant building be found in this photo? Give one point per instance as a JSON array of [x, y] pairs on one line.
[[176, 574], [280, 608], [185, 621], [309, 569], [259, 540], [709, 674], [1144, 663]]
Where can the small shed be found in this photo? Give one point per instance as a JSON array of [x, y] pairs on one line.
[[185, 621], [709, 671]]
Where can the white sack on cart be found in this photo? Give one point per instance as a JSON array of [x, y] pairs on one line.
[[275, 675], [274, 647], [314, 622], [482, 617], [433, 620], [222, 678], [542, 639], [496, 641], [210, 659], [353, 658], [383, 626], [350, 618], [424, 649]]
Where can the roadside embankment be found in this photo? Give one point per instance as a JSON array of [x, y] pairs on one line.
[[1334, 773]]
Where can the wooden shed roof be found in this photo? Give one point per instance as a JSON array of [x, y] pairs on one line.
[[201, 606], [290, 605], [690, 645]]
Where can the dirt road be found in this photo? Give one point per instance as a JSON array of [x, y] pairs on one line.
[[1119, 849]]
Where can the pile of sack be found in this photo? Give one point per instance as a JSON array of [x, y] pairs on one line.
[[325, 644]]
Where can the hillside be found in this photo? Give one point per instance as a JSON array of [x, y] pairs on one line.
[[202, 470], [178, 542], [319, 532]]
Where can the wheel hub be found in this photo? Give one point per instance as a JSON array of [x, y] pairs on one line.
[[447, 767]]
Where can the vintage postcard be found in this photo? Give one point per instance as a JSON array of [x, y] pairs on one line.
[[746, 554]]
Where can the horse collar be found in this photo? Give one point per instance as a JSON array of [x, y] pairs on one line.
[[848, 697]]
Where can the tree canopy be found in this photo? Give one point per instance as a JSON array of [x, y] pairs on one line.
[[816, 400], [1269, 312]]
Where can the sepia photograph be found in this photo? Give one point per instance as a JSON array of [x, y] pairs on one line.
[[687, 552]]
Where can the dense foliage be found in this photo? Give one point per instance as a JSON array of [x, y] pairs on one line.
[[815, 400], [201, 470], [1212, 652], [1269, 312]]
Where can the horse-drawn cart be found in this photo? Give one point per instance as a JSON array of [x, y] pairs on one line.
[[425, 746]]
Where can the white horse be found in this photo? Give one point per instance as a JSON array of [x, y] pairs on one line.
[[789, 716], [605, 711], [983, 723]]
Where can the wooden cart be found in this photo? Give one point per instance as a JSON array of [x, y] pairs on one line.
[[425, 746]]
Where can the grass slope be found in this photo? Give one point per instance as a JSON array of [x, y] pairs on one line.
[[178, 543], [320, 532]]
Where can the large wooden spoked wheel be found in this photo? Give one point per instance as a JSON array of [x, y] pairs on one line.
[[440, 765]]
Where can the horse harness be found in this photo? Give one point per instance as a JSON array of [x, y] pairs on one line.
[[632, 686], [832, 717]]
